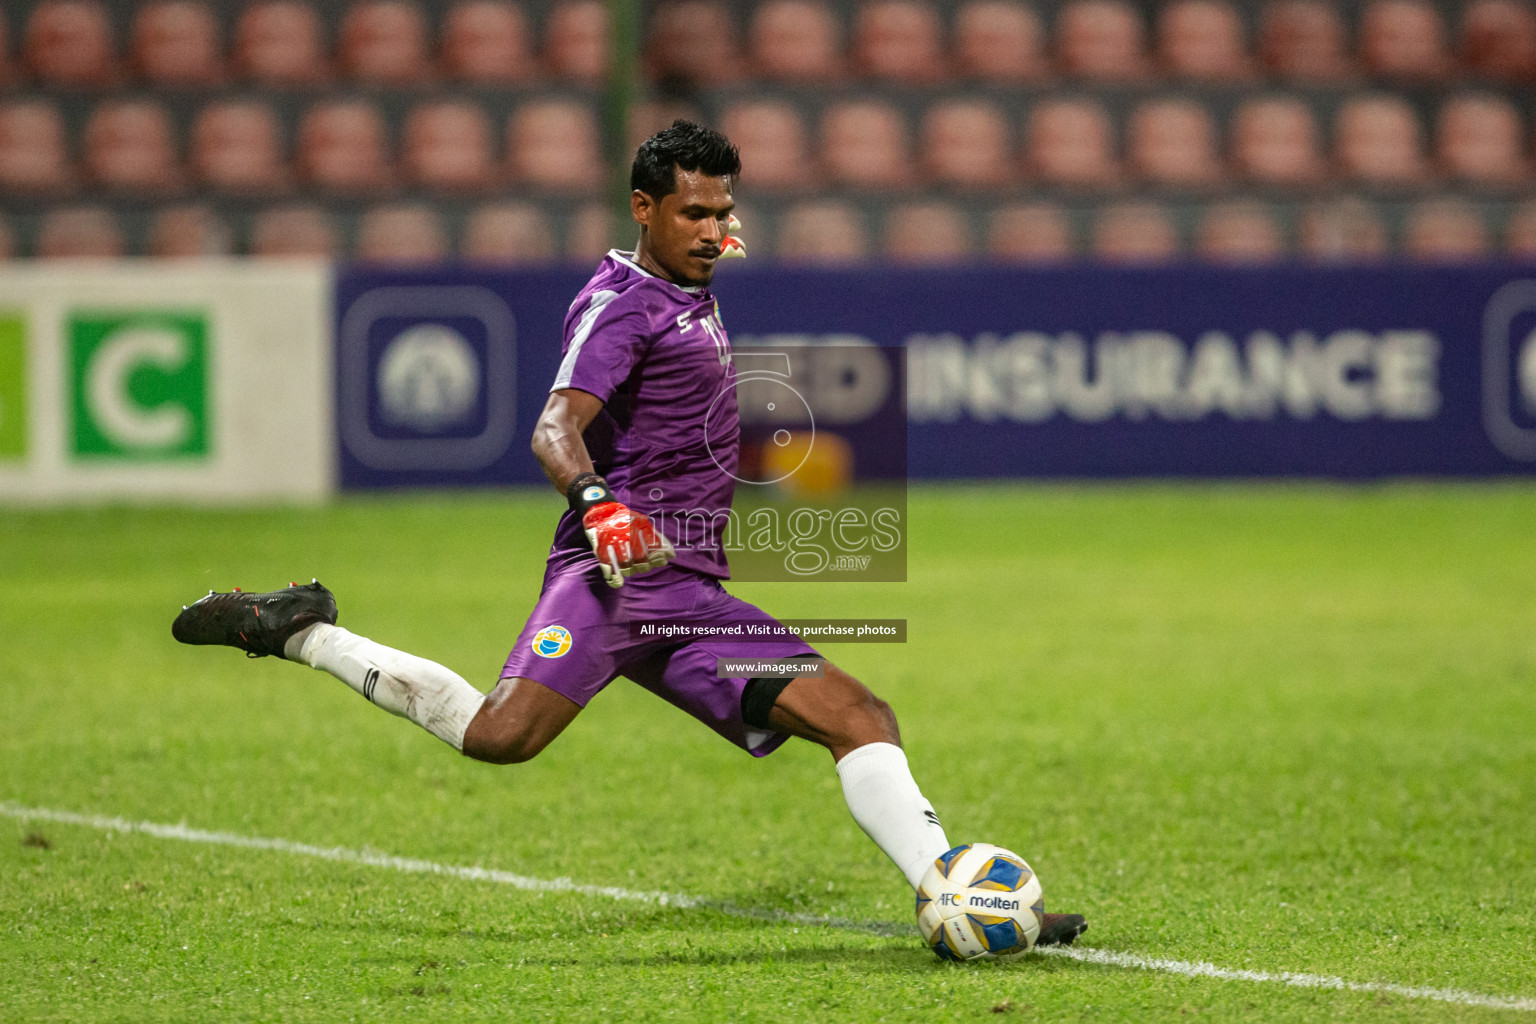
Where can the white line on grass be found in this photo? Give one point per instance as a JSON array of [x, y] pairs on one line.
[[1101, 957]]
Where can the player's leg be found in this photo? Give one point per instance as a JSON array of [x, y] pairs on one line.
[[518, 719]]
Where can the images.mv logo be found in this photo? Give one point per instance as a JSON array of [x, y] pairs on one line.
[[139, 384]]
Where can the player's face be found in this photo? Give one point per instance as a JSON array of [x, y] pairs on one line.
[[685, 229]]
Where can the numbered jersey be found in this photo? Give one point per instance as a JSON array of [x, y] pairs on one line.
[[666, 441]]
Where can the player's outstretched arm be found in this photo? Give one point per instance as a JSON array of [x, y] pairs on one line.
[[625, 542]]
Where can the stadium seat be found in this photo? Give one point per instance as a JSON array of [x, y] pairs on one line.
[[1305, 41], [899, 41], [1405, 40], [864, 144], [1378, 141], [1520, 232], [794, 41], [648, 117], [554, 144], [576, 41], [593, 231], [279, 43], [1000, 42], [69, 45], [1445, 230], [237, 148], [1478, 139], [965, 143], [772, 139], [1498, 40], [1171, 142], [447, 146], [403, 234], [343, 147], [1203, 40], [1239, 232], [1342, 230], [130, 148], [175, 44], [34, 154], [302, 231], [1275, 142], [8, 70], [1134, 232], [1030, 233], [822, 233], [1069, 142], [927, 233], [188, 232], [384, 42], [692, 43], [80, 233], [508, 234], [1101, 40], [488, 42]]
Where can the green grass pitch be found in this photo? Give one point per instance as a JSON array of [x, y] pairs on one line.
[[1268, 728]]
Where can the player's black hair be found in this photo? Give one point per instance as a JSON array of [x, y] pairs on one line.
[[687, 145]]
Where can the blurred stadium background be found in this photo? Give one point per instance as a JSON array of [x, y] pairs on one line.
[[1018, 131]]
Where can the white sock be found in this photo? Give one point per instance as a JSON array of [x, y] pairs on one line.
[[435, 698], [888, 806]]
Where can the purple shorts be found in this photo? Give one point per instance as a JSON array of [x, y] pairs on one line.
[[581, 636]]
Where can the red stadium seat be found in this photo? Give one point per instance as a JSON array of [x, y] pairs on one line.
[[343, 147], [822, 233], [406, 234], [646, 118], [899, 41], [237, 148], [189, 232], [1001, 42], [1275, 142], [927, 233], [488, 42], [1345, 230], [1378, 141], [796, 41], [1134, 232], [1404, 39], [508, 234], [80, 233], [864, 144], [692, 42], [593, 231], [448, 146], [1304, 40], [555, 145], [34, 158], [1445, 230], [1203, 40], [965, 143], [288, 232], [384, 42], [1478, 139], [1498, 40], [772, 139], [1031, 233], [1069, 142], [175, 43], [279, 43], [130, 147], [1101, 40], [1239, 232], [576, 41], [69, 44], [1520, 232], [1172, 142]]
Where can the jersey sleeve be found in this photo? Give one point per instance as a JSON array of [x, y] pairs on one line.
[[605, 341]]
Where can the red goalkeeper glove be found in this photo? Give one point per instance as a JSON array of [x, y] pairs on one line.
[[624, 541]]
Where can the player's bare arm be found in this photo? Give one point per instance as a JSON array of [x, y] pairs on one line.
[[557, 442]]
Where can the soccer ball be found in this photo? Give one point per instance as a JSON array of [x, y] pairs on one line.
[[980, 902]]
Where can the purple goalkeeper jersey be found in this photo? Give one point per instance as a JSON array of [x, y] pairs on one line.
[[666, 439]]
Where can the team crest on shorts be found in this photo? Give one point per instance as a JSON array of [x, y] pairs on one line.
[[551, 641]]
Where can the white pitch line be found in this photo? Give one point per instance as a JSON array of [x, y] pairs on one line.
[[1101, 957]]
